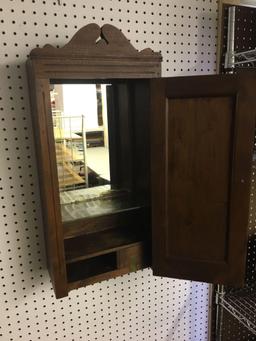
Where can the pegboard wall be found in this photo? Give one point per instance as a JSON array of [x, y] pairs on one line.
[[137, 306]]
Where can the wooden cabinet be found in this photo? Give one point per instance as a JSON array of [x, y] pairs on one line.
[[180, 156]]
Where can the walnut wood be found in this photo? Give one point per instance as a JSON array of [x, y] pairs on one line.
[[202, 142], [96, 53], [141, 134], [97, 278], [129, 136], [128, 259], [95, 244], [93, 53], [130, 217], [39, 96], [94, 40], [134, 257], [91, 267]]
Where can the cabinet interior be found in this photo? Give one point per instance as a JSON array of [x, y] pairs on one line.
[[102, 151]]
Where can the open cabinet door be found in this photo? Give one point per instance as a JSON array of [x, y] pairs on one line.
[[201, 154]]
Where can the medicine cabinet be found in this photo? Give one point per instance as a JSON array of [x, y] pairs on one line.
[[137, 170]]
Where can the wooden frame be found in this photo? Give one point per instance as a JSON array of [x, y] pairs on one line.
[[93, 53]]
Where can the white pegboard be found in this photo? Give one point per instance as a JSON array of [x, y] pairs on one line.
[[136, 306]]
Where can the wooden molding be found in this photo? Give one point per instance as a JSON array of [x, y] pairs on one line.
[[95, 40], [95, 52]]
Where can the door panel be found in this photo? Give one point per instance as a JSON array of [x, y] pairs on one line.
[[202, 141], [196, 163]]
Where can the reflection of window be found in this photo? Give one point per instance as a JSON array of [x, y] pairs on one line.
[[81, 99]]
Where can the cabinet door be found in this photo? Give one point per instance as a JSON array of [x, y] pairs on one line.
[[201, 153]]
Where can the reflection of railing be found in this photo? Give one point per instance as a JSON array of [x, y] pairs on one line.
[[70, 145]]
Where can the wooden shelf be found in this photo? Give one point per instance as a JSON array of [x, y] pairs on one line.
[[88, 271], [134, 216], [75, 284], [91, 267], [96, 244], [97, 207]]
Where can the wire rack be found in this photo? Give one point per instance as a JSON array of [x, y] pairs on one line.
[[236, 58], [245, 57], [242, 305], [236, 308]]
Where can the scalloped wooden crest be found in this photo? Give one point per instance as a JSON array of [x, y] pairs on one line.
[[95, 40]]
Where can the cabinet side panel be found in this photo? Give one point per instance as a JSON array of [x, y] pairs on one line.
[[52, 226]]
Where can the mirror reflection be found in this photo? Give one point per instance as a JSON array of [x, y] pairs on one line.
[[80, 124]]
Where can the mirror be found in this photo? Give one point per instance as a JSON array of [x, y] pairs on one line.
[[81, 135]]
